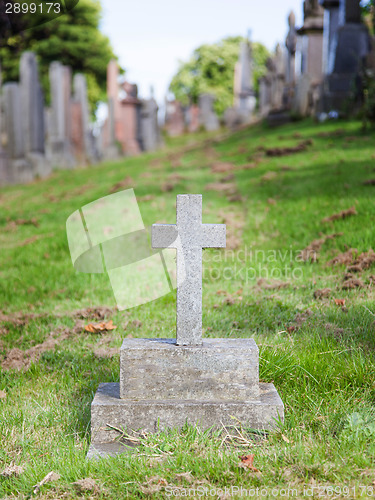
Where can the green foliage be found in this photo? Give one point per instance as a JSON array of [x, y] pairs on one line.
[[73, 39], [211, 69]]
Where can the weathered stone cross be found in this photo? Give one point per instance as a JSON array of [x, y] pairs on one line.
[[188, 237]]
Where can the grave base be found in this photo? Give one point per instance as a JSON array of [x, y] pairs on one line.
[[108, 411]]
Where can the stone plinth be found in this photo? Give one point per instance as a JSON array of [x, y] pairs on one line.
[[164, 386], [158, 369], [153, 415]]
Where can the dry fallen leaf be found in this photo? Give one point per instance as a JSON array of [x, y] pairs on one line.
[[340, 302], [3, 394], [247, 463], [100, 327]]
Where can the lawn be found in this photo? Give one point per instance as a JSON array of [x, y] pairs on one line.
[[298, 276]]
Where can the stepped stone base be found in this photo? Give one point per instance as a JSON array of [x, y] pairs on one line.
[[262, 413]]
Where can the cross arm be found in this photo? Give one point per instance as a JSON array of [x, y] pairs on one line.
[[164, 236], [214, 236]]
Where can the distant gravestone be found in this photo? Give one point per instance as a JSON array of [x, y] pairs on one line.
[[174, 118], [59, 137], [33, 109], [331, 24], [311, 34], [150, 135], [207, 116], [244, 100], [17, 168], [129, 132], [348, 50], [193, 118], [168, 383], [81, 99]]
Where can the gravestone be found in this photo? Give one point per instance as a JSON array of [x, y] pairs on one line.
[[207, 116], [264, 97], [16, 168], [244, 100], [60, 148], [150, 135], [290, 73], [193, 118], [166, 383], [33, 115], [129, 127], [110, 144], [349, 49], [85, 143], [311, 49], [174, 118], [330, 27]]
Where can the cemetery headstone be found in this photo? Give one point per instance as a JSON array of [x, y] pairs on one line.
[[349, 49], [16, 168], [290, 74], [33, 115], [59, 137], [311, 48], [166, 383], [193, 118], [129, 132], [207, 116], [244, 99], [174, 118], [86, 143], [150, 135]]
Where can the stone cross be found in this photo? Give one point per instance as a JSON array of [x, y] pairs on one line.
[[189, 236]]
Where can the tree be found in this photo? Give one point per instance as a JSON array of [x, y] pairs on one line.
[[73, 39], [211, 69]]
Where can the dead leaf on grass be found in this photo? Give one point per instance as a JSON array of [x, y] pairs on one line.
[[100, 327], [3, 394], [340, 302], [247, 462]]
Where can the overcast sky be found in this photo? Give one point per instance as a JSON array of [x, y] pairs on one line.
[[151, 36]]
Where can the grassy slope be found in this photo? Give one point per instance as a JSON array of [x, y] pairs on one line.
[[322, 365]]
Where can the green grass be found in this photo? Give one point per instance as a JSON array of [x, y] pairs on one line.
[[319, 355]]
